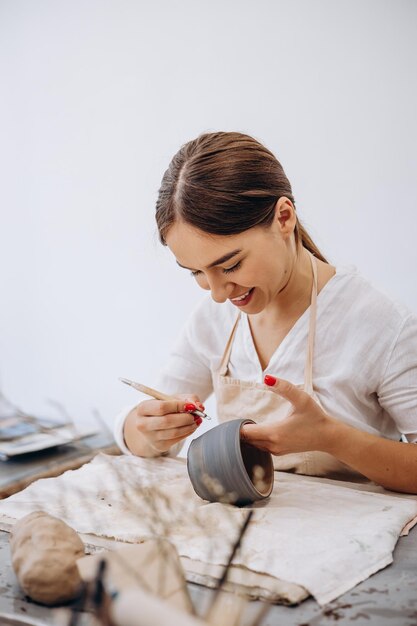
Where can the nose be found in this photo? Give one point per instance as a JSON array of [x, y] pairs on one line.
[[220, 289]]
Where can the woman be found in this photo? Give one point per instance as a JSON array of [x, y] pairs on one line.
[[338, 358]]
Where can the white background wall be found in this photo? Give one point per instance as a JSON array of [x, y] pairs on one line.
[[97, 96]]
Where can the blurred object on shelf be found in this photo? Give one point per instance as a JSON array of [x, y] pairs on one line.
[[36, 447], [22, 433]]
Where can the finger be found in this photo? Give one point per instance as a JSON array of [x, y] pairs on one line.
[[161, 444], [171, 442], [175, 433], [255, 438], [162, 407], [191, 397], [253, 433], [166, 422], [287, 390]]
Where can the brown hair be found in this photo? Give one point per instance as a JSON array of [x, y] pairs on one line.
[[224, 183]]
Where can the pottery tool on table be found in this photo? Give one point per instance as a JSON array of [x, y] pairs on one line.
[[159, 395]]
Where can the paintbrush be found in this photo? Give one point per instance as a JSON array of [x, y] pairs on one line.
[[159, 395]]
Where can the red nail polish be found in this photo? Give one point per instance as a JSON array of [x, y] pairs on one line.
[[189, 407], [198, 420], [270, 380], [201, 406]]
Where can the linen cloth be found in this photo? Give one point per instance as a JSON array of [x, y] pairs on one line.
[[313, 534], [364, 366]]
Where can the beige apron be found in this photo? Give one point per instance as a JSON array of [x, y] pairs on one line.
[[245, 399]]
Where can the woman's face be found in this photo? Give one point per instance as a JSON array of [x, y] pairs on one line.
[[249, 269]]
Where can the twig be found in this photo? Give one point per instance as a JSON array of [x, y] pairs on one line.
[[233, 551], [100, 598], [79, 606]]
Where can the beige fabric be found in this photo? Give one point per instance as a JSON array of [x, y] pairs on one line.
[[153, 566], [241, 580], [244, 399], [321, 535]]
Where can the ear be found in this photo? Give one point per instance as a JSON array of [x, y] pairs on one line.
[[285, 216]]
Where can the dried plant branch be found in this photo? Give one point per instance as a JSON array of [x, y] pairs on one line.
[[233, 551]]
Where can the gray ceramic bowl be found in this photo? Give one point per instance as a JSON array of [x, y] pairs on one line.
[[222, 468]]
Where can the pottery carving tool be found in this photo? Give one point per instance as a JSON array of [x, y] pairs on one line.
[[159, 395]]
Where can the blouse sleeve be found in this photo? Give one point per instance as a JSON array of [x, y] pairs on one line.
[[397, 392], [186, 370]]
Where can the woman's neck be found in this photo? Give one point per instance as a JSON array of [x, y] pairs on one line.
[[295, 297]]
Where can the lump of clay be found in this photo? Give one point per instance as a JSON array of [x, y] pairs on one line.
[[44, 554]]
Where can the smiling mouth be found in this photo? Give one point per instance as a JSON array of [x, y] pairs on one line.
[[243, 298]]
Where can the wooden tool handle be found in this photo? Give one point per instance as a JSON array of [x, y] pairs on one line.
[[158, 395]]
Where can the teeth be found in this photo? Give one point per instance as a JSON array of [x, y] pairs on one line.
[[242, 297]]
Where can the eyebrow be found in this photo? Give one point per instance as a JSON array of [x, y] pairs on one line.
[[223, 259]]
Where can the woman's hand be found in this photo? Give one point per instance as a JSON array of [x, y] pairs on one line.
[[304, 429], [154, 426], [388, 463]]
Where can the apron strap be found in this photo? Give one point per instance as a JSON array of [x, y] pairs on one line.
[[308, 371], [224, 363]]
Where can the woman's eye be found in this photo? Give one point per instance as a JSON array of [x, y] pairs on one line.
[[225, 271], [232, 269]]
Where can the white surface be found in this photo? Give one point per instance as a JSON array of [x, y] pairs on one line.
[[323, 535], [153, 611], [96, 99]]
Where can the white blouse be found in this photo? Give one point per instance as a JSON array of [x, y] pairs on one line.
[[364, 366]]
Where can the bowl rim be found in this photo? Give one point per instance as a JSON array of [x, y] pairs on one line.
[[242, 464]]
